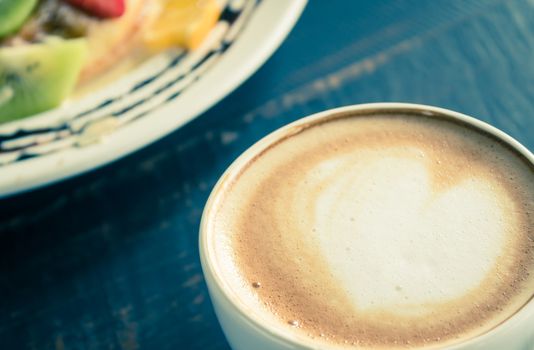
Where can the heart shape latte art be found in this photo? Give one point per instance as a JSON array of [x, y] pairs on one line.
[[395, 238]]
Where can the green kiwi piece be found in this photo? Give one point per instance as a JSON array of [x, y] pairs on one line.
[[13, 13], [37, 77]]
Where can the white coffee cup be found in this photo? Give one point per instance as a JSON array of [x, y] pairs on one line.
[[245, 331]]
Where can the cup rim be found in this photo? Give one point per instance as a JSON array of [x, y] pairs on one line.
[[206, 247]]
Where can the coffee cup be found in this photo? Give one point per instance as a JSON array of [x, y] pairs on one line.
[[375, 226]]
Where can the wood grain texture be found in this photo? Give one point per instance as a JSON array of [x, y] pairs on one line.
[[109, 260]]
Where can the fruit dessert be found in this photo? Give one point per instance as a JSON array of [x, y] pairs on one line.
[[51, 48]]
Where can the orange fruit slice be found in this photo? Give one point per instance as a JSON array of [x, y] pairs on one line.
[[184, 23]]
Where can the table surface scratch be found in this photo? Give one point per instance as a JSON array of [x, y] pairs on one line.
[[109, 260]]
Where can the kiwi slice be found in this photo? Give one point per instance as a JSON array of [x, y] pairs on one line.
[[13, 13], [37, 77]]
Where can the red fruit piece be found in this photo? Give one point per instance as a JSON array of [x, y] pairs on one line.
[[100, 8]]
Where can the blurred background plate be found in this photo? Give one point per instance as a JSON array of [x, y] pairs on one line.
[[160, 96]]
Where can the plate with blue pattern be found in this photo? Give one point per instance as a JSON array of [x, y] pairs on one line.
[[159, 96]]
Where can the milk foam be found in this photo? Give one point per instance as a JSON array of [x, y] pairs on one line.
[[380, 231], [393, 241]]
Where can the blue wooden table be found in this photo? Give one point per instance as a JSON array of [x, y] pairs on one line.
[[109, 260]]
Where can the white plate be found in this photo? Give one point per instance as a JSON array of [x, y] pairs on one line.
[[160, 96]]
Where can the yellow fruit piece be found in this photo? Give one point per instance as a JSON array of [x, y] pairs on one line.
[[184, 23]]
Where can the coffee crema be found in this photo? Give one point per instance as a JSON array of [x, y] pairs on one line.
[[379, 231]]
